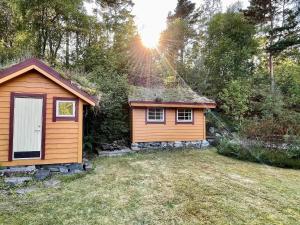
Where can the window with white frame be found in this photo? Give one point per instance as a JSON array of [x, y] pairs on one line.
[[155, 115], [184, 115], [65, 108]]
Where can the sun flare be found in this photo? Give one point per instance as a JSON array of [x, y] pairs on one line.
[[150, 40]]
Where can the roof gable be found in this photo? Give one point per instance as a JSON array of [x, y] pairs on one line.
[[42, 68]]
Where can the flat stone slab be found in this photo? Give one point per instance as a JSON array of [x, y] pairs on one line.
[[53, 183], [115, 153], [17, 180], [23, 191], [19, 169], [42, 174]]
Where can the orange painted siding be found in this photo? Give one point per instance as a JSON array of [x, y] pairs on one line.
[[170, 131], [63, 143]]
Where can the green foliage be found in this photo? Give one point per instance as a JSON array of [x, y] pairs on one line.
[[111, 122], [289, 157], [272, 127], [288, 80], [230, 46], [235, 98]]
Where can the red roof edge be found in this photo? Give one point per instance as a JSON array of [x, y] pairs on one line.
[[52, 72], [213, 104]]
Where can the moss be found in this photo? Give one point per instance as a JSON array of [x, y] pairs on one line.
[[168, 94]]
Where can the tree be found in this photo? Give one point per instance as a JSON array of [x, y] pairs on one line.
[[230, 47], [175, 38], [235, 98], [279, 20]]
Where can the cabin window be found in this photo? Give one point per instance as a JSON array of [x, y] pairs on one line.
[[155, 115], [65, 109], [184, 115]]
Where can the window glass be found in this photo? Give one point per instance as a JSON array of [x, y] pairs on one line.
[[65, 108], [184, 115], [155, 114]]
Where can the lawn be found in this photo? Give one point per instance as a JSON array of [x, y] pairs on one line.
[[179, 187]]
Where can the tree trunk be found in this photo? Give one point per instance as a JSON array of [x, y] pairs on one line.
[[67, 48], [271, 65], [271, 71]]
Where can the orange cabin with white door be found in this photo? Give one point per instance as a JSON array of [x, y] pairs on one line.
[[41, 116]]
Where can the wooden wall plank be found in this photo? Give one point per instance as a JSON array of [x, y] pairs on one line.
[[170, 131], [63, 138]]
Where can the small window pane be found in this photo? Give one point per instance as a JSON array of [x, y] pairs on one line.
[[184, 115], [155, 115], [66, 108]]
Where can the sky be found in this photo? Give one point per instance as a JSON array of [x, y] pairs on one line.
[[151, 16]]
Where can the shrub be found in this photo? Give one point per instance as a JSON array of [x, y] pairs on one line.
[[289, 157], [110, 122]]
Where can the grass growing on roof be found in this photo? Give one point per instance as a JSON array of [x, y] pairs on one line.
[[168, 94], [179, 187]]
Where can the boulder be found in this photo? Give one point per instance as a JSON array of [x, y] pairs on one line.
[[205, 144], [42, 174], [17, 180]]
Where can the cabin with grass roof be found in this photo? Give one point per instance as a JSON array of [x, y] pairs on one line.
[[41, 115], [167, 117]]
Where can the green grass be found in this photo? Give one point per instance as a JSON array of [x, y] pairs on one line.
[[179, 187]]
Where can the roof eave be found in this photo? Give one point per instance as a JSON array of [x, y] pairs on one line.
[[29, 64], [205, 105]]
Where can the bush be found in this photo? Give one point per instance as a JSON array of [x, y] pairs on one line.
[[287, 158], [110, 122]]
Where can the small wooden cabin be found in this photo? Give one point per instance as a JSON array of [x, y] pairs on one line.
[[160, 115], [41, 116]]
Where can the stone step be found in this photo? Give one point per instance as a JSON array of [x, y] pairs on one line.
[[17, 180]]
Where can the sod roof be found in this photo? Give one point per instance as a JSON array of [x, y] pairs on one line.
[[177, 94]]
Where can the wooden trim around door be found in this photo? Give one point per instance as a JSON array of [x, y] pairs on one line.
[[13, 95]]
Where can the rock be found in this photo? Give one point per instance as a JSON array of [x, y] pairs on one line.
[[63, 169], [17, 180], [164, 144], [205, 144], [135, 147], [170, 144], [75, 166], [211, 130], [53, 183], [19, 169], [87, 166], [42, 174], [27, 190], [178, 144], [154, 144], [115, 153], [75, 172], [53, 168]]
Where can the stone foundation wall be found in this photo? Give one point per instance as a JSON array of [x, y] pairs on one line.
[[169, 145]]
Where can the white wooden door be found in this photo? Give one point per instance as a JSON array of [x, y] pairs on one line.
[[27, 131]]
